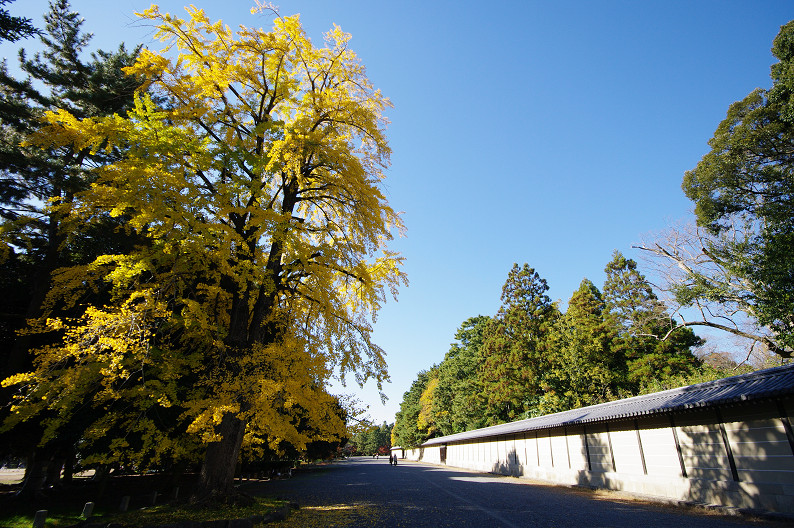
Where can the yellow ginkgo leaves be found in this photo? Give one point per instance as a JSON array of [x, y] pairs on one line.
[[249, 172]]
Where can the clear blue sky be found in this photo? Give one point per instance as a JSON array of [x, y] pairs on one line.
[[549, 132]]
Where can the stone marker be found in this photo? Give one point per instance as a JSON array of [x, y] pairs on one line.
[[125, 503], [88, 509], [38, 520]]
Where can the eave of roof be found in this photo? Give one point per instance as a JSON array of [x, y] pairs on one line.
[[768, 383]]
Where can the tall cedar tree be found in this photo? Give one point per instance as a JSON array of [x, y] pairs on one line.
[[641, 320], [745, 186], [585, 366], [256, 186], [37, 188], [515, 346]]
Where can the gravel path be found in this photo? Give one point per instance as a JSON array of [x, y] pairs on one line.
[[364, 492]]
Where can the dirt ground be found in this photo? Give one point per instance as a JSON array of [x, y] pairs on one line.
[[11, 476]]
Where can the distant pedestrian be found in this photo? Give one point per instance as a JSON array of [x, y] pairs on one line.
[[395, 459], [391, 460]]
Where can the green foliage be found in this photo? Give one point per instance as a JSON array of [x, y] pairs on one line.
[[652, 345], [14, 28], [37, 186], [458, 404], [37, 189], [585, 366], [515, 345], [376, 439], [530, 359], [743, 191], [406, 432]]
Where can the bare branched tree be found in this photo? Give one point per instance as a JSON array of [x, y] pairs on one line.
[[703, 287]]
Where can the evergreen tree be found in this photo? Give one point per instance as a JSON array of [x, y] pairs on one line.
[[643, 325], [458, 404], [515, 347], [37, 188], [743, 190], [376, 439], [406, 432], [14, 28], [586, 366]]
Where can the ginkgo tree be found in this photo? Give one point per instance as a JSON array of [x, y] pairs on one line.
[[252, 175]]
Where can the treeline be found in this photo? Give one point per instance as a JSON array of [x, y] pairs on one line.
[[374, 440], [732, 270], [531, 358]]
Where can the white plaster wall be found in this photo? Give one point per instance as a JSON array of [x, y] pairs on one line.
[[598, 447], [576, 448], [658, 445], [559, 449], [760, 447], [626, 450], [521, 450], [756, 434], [544, 449]]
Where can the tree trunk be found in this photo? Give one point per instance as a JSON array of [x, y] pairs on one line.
[[54, 471], [68, 466], [220, 461], [35, 474]]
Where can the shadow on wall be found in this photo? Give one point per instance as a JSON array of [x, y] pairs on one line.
[[740, 460], [598, 458], [737, 456], [509, 467]]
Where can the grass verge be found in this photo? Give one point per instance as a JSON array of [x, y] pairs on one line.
[[152, 516]]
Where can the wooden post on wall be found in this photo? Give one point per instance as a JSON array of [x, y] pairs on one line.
[[587, 448], [639, 443], [678, 447], [611, 452], [786, 424], [728, 450]]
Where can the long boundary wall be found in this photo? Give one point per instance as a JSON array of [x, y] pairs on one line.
[[738, 456]]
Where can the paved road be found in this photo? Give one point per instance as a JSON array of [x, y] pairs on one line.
[[364, 492]]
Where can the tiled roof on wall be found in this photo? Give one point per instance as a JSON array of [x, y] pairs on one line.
[[768, 383]]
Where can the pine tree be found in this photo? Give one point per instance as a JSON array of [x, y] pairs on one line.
[[38, 186], [14, 28]]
